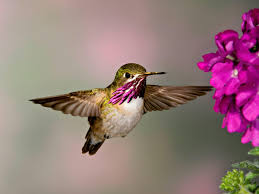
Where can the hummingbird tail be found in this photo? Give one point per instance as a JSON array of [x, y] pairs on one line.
[[92, 143]]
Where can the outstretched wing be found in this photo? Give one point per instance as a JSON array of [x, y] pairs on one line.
[[166, 97], [81, 103]]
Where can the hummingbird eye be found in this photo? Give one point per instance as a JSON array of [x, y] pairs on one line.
[[127, 75]]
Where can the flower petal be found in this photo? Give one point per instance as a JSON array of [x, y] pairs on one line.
[[225, 122], [221, 74], [247, 47], [247, 136], [255, 133], [250, 20], [219, 93], [224, 104], [251, 109], [234, 121], [243, 95], [225, 42], [216, 105], [242, 76], [209, 60], [232, 86]]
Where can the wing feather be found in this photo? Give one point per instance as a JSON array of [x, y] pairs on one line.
[[75, 109], [60, 105], [161, 102], [90, 107], [166, 97], [84, 111], [81, 103]]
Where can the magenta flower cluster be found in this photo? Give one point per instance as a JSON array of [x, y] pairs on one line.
[[235, 77]]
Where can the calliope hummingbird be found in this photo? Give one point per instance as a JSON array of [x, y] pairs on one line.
[[115, 110]]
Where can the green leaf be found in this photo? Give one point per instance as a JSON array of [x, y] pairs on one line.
[[250, 176], [251, 187], [232, 181], [254, 152], [243, 190], [254, 166]]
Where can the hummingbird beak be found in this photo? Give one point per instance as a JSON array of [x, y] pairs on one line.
[[153, 73]]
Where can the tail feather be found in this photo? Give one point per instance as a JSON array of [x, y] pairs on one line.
[[92, 143]]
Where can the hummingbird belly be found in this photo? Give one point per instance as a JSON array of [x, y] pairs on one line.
[[121, 119]]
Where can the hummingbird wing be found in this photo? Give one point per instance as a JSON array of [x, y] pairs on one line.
[[166, 97], [80, 103]]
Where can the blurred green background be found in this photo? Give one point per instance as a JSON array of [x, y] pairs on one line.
[[57, 46]]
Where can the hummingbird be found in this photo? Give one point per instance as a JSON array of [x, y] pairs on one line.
[[115, 110]]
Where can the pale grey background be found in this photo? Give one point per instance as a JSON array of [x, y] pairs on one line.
[[57, 46]]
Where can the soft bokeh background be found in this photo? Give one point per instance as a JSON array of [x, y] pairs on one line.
[[57, 46]]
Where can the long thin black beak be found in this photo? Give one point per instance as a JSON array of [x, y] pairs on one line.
[[153, 73]]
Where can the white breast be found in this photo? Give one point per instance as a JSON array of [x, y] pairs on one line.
[[134, 106], [120, 122]]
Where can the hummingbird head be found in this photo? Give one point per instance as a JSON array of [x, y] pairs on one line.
[[130, 82]]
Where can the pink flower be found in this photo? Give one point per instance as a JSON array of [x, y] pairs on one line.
[[227, 77], [252, 134], [209, 60], [225, 42], [234, 120], [250, 20], [248, 47], [235, 76]]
